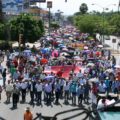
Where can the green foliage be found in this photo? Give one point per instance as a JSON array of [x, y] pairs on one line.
[[26, 25], [92, 23], [83, 8], [54, 25], [114, 20], [70, 19], [1, 14], [2, 31]]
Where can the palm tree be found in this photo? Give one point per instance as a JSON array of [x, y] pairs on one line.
[[1, 14], [83, 8]]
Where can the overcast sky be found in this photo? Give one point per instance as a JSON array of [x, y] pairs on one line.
[[72, 6]]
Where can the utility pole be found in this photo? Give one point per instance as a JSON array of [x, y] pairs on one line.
[[49, 5], [119, 7]]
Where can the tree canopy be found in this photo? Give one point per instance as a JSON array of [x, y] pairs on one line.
[[1, 14], [91, 24], [26, 25], [83, 8], [54, 25]]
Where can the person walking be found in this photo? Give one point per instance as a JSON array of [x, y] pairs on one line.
[[32, 91], [66, 91], [28, 114], [8, 89], [48, 90], [57, 91], [39, 88], [80, 92], [0, 91], [24, 86], [73, 89], [87, 89], [15, 96], [4, 76]]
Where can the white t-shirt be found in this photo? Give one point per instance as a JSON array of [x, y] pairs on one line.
[[102, 87], [39, 87]]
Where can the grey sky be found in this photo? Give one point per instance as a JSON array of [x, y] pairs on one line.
[[72, 6]]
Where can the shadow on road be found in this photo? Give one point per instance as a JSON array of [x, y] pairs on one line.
[[1, 118]]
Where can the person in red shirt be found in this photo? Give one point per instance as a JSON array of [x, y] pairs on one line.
[[60, 73], [15, 62]]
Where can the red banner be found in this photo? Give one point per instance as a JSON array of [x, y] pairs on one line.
[[66, 69]]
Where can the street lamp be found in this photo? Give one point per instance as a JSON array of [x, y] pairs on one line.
[[104, 8]]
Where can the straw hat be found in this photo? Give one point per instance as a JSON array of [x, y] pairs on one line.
[[27, 109]]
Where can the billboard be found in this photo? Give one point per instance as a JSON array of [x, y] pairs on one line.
[[38, 1], [19, 1]]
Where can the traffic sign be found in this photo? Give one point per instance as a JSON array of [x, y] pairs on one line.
[[113, 40], [42, 1], [49, 4]]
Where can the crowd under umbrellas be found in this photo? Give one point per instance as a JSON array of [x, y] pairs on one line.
[[68, 65]]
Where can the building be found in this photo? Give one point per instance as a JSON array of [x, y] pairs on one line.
[[38, 13], [15, 7], [12, 7]]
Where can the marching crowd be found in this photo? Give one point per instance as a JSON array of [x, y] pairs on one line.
[[27, 75]]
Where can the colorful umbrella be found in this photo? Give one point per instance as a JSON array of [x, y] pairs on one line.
[[44, 61]]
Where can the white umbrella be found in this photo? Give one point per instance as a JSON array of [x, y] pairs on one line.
[[100, 46], [85, 48], [76, 57], [49, 77], [61, 58], [94, 80], [117, 66], [90, 64], [27, 51], [64, 54], [109, 70], [65, 49]]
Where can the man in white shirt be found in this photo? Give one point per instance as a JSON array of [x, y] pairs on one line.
[[8, 89], [102, 87], [39, 88], [61, 87], [48, 90], [80, 74], [57, 91], [66, 91], [24, 86]]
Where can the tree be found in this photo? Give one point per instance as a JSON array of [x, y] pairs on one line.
[[2, 31], [70, 19], [115, 22], [1, 14], [91, 24], [30, 28], [83, 8], [54, 25]]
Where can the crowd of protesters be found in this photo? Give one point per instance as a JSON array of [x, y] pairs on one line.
[[98, 73]]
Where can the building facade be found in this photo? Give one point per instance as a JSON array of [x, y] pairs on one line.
[[12, 6]]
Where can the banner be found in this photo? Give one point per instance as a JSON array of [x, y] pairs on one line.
[[66, 68]]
